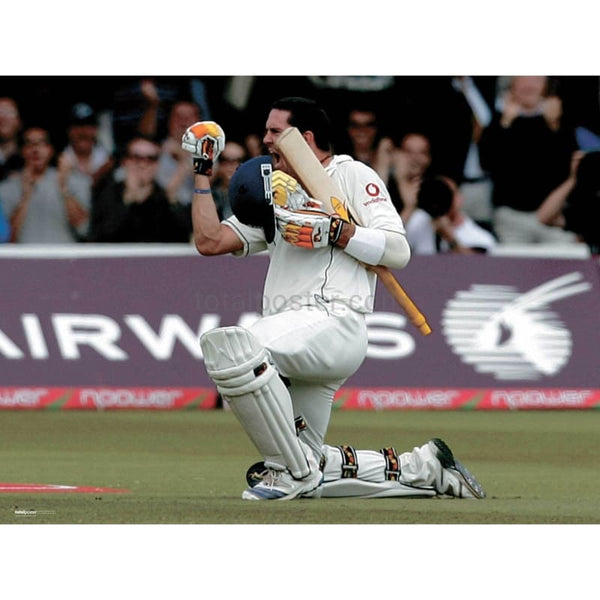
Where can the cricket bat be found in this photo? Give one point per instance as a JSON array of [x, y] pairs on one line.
[[319, 185]]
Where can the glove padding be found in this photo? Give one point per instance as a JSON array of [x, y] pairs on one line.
[[288, 193], [205, 140], [308, 228]]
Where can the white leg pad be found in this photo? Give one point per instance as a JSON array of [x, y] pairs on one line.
[[245, 376], [357, 488], [368, 479]]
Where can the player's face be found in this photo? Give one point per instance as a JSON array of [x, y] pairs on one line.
[[277, 122]]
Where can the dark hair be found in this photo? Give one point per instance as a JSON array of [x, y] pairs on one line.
[[136, 138], [307, 115], [361, 108], [435, 196], [400, 135]]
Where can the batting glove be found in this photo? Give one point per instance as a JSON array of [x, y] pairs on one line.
[[288, 193], [205, 140], [308, 228]]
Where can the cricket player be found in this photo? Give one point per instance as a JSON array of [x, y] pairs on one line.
[[280, 375]]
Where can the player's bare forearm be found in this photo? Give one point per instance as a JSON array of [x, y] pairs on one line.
[[211, 237], [205, 140]]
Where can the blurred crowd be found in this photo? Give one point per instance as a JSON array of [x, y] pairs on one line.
[[470, 162]]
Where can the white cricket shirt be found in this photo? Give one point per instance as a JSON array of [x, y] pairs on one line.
[[325, 276]]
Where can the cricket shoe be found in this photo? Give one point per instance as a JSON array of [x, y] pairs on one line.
[[258, 471], [455, 479], [272, 484]]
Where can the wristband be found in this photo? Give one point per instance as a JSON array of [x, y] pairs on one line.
[[202, 191], [366, 245], [335, 230]]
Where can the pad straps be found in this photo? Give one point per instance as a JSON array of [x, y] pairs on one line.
[[300, 424], [349, 462], [392, 464]]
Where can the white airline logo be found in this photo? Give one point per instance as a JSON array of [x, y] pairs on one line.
[[78, 335], [509, 334]]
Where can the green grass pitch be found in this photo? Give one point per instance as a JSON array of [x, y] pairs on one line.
[[188, 468]]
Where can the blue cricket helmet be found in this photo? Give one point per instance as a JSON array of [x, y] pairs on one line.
[[251, 195]]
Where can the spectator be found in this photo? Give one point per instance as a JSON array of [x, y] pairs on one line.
[[136, 209], [233, 155], [575, 204], [402, 172], [140, 107], [454, 230], [362, 132], [402, 166], [162, 114], [146, 105], [527, 151], [43, 205], [420, 232], [83, 154], [467, 112], [365, 141], [175, 173], [10, 126]]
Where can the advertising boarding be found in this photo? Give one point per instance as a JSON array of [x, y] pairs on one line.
[[109, 332]]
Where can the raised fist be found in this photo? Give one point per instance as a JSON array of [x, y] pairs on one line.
[[205, 140]]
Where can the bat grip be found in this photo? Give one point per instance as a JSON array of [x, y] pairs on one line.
[[414, 314]]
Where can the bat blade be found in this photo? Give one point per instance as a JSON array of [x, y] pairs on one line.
[[309, 171]]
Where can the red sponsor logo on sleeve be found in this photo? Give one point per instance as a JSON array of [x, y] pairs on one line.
[[373, 189], [374, 193]]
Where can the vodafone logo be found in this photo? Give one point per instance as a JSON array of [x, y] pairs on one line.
[[373, 189], [374, 192]]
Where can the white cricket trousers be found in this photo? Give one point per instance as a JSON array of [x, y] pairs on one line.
[[317, 350]]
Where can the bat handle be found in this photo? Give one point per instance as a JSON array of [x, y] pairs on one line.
[[414, 314]]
